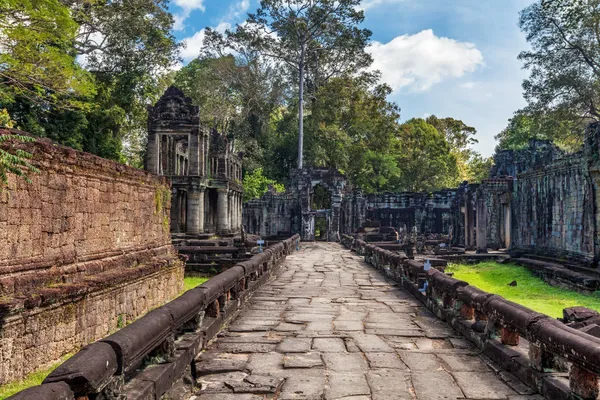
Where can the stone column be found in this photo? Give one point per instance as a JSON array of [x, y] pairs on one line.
[[152, 153], [469, 222], [507, 226], [194, 153], [195, 211], [175, 212], [481, 226], [222, 212], [239, 210]]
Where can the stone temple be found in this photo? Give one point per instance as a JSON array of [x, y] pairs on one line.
[[205, 173]]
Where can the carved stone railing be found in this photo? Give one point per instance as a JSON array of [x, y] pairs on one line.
[[144, 359], [536, 348]]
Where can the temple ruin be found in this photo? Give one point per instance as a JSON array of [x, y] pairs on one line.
[[204, 172], [537, 200]]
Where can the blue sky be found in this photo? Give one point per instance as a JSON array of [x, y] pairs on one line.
[[451, 58]]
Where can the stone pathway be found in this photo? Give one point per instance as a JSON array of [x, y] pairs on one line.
[[332, 327]]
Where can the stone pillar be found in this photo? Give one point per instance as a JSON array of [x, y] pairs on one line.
[[507, 226], [481, 225], [234, 215], [175, 212], [195, 211], [222, 212], [152, 153], [194, 153], [240, 205], [469, 222]]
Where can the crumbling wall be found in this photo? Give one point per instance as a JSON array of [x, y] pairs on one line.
[[553, 210], [429, 212], [79, 210], [272, 215], [83, 246]]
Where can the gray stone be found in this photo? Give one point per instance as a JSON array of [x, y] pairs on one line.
[[389, 384], [329, 345], [294, 345], [385, 360], [345, 362], [436, 385], [420, 361], [302, 360], [346, 384], [482, 385]]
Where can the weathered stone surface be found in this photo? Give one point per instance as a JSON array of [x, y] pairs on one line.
[[302, 360], [436, 385], [345, 384], [385, 360], [335, 364], [84, 249], [389, 384], [294, 345], [482, 385], [329, 345]]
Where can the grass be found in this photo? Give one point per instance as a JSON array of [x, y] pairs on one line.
[[33, 379], [190, 282], [531, 291]]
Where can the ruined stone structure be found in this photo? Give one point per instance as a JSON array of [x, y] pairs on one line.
[[85, 248], [205, 173], [279, 214], [294, 211], [538, 200]]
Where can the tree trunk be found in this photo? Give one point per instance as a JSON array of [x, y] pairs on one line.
[[301, 110]]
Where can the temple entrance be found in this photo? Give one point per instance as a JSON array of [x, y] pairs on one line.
[[321, 205]]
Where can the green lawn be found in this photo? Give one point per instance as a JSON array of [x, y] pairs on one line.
[[32, 380], [190, 282], [530, 291]]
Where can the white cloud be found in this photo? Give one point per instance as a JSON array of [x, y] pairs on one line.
[[417, 62], [468, 85], [187, 6], [366, 4], [193, 44]]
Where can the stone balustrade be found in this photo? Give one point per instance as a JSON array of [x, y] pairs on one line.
[[536, 348], [144, 359]]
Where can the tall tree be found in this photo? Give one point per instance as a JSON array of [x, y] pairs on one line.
[[316, 38], [425, 158], [564, 60]]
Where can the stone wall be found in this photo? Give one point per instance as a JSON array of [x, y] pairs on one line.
[[85, 241], [38, 337], [429, 212], [78, 210], [553, 210]]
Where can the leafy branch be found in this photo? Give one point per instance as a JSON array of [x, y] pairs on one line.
[[14, 160]]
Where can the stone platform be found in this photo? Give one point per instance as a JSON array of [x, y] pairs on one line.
[[332, 327]]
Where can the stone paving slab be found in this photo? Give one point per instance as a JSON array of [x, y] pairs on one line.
[[331, 327]]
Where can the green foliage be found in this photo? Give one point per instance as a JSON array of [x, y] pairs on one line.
[[312, 41], [478, 168], [13, 160], [425, 158], [525, 125], [5, 120], [530, 291], [256, 184], [37, 61], [564, 60], [97, 103]]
